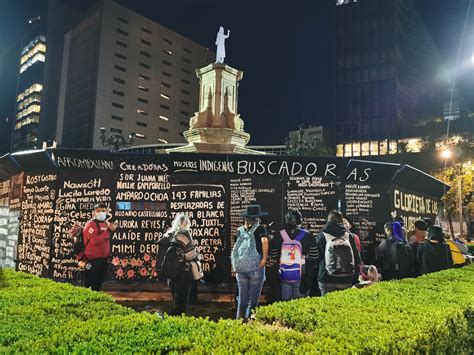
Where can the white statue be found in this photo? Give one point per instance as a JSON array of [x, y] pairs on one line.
[[220, 43]]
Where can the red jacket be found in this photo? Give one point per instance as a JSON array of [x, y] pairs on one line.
[[97, 242]]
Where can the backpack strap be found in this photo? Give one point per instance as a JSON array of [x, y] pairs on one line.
[[300, 235], [285, 236]]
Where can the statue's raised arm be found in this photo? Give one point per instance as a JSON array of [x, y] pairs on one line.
[[220, 43]]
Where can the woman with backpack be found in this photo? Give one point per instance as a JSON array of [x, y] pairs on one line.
[[394, 254], [298, 255], [180, 262], [434, 255], [249, 256]]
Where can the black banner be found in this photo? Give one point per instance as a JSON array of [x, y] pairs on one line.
[[145, 192]]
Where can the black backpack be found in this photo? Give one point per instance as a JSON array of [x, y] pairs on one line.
[[76, 233], [163, 245], [402, 259]]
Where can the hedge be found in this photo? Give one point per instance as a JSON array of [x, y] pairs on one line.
[[434, 313]]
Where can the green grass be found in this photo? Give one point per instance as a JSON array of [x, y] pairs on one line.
[[431, 314]]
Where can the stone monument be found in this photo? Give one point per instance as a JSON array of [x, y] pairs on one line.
[[217, 127]]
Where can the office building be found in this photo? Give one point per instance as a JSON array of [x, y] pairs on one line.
[[128, 74], [391, 56], [37, 70]]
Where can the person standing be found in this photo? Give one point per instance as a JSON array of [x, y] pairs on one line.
[[94, 258], [178, 262], [434, 255], [298, 254], [339, 257], [249, 256], [400, 220], [418, 237], [394, 255]]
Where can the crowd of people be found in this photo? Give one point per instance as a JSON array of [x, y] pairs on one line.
[[293, 262]]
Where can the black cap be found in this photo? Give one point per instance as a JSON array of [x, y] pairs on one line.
[[421, 225], [253, 211], [436, 233]]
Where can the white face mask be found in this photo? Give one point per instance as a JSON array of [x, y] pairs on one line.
[[100, 216]]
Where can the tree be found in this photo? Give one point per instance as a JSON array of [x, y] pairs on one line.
[[460, 173], [302, 147]]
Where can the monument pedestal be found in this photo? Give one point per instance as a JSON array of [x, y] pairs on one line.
[[217, 128]]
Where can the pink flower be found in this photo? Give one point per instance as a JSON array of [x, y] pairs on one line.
[[115, 261], [120, 273], [153, 263], [139, 262], [133, 262], [155, 274], [124, 262], [130, 274], [143, 272], [146, 257]]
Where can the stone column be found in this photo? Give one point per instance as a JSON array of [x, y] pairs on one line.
[[217, 127]]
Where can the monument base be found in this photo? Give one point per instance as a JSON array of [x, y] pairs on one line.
[[215, 140]]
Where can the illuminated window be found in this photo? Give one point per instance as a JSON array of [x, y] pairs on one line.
[[38, 47], [37, 57], [142, 112], [142, 88], [383, 148], [365, 149], [139, 135], [347, 150], [143, 77], [167, 52], [165, 96], [356, 149], [340, 150], [374, 148], [164, 141], [164, 118], [393, 147]]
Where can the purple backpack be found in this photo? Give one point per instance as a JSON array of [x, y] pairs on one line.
[[291, 259]]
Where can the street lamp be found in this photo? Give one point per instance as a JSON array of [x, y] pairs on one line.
[[446, 154], [115, 140]]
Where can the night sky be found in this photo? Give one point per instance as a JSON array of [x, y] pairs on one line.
[[285, 48]]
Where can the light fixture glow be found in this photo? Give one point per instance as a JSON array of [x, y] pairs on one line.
[[446, 154]]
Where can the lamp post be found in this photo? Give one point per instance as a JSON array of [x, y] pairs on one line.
[[115, 140]]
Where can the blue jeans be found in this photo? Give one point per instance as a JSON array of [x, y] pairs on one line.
[[290, 290], [327, 287], [250, 286]]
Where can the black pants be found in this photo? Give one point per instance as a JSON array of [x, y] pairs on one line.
[[180, 287], [95, 276]]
